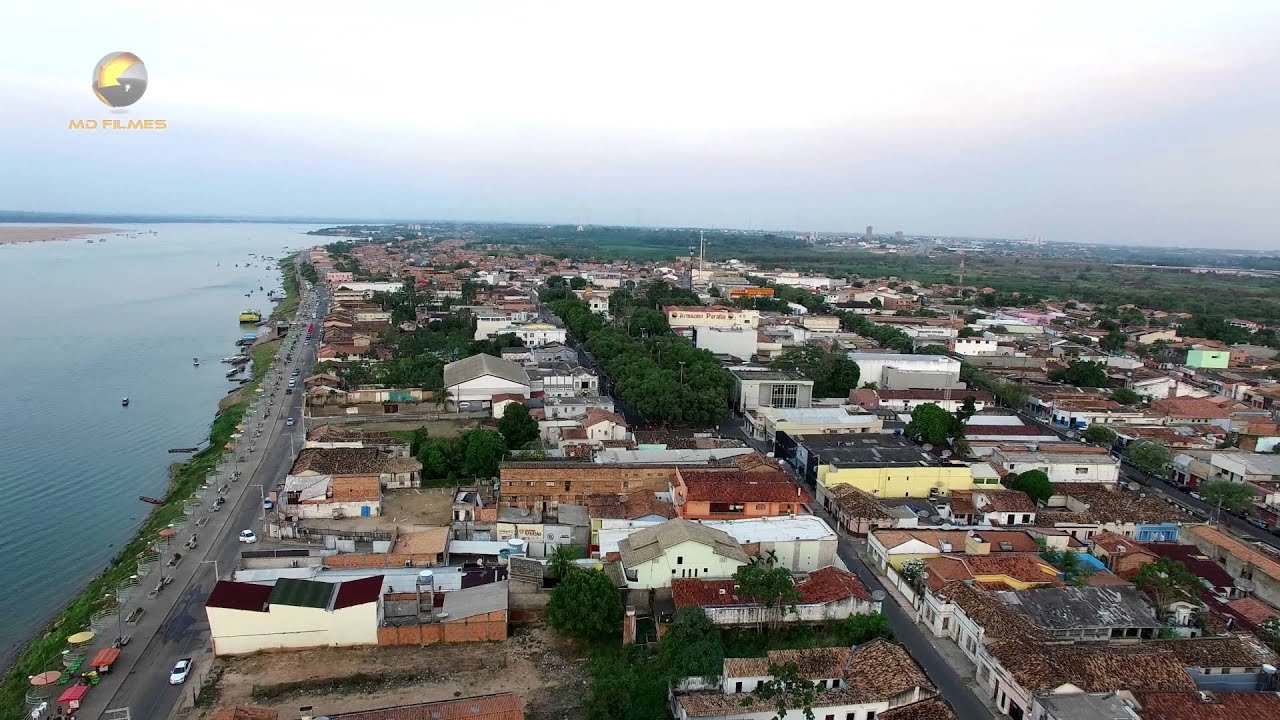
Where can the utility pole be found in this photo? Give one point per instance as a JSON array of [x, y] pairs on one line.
[[702, 254]]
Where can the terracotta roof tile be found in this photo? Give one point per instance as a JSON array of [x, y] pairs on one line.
[[628, 506], [1041, 667], [730, 486], [1217, 706], [1261, 561], [930, 709]]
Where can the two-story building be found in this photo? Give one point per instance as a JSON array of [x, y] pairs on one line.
[[732, 494], [652, 557]]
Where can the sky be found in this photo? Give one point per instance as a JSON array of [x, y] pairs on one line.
[[1151, 123]]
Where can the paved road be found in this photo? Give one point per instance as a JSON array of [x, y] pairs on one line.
[[184, 631]]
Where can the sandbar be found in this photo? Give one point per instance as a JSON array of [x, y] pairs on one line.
[[48, 233]]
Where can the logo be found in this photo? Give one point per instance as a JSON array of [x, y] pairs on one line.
[[119, 79]]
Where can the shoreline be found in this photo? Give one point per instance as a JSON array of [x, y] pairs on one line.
[[42, 650], [19, 234]]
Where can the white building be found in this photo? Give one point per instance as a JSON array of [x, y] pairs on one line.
[[800, 543], [535, 334], [653, 556], [975, 346], [770, 388], [874, 365], [1074, 467], [740, 342], [248, 617], [685, 317], [472, 382]]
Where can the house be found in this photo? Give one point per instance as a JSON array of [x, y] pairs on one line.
[[891, 548], [1086, 613], [991, 507], [1085, 509], [1121, 555], [293, 613], [472, 382], [1191, 410], [1019, 571], [828, 593], [904, 401], [652, 557], [1208, 705], [738, 342], [859, 682], [975, 346], [601, 425], [393, 471], [1257, 570], [1200, 357], [1062, 462], [729, 494], [770, 388], [562, 380], [331, 496], [1143, 336], [1230, 662], [888, 466], [607, 511], [860, 512], [544, 485]]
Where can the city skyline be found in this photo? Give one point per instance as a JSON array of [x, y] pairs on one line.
[[1151, 128]]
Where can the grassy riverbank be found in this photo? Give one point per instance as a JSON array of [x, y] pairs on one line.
[[44, 651]]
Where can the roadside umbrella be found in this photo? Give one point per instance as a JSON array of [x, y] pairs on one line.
[[168, 533], [48, 677], [81, 638]]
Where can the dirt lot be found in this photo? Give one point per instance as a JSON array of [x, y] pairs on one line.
[[533, 663], [426, 507], [435, 428]]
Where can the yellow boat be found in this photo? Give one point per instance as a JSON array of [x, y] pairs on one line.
[[250, 316]]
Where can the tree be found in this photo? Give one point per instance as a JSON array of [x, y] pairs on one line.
[[968, 409], [1112, 342], [577, 283], [1100, 435], [913, 572], [1231, 496], [517, 425], [933, 425], [1011, 394], [418, 437], [767, 584], [585, 605], [788, 690], [1125, 396], [434, 456], [1035, 483], [482, 452], [1074, 571], [692, 646], [1149, 456], [626, 684], [832, 372], [857, 629], [1081, 373], [561, 561], [1165, 581], [1269, 632]]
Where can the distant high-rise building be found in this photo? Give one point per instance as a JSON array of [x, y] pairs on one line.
[[867, 236], [897, 235]]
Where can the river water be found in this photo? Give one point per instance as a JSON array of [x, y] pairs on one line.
[[85, 325]]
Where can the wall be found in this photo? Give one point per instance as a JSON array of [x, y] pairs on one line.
[[738, 342], [326, 510], [899, 481], [484, 388], [489, 627], [1217, 359], [759, 615], [240, 631]]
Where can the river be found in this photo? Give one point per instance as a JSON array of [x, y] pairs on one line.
[[87, 324]]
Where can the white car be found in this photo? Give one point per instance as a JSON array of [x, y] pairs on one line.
[[181, 670], [248, 536]]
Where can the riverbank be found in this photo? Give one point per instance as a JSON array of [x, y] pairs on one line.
[[12, 234], [43, 652]]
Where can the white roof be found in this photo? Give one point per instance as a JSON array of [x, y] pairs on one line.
[[663, 457], [983, 470], [394, 579], [817, 416], [477, 547], [774, 529], [308, 487]]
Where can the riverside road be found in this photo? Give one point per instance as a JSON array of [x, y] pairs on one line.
[[175, 625]]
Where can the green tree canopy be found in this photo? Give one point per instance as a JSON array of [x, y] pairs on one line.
[[1125, 396], [832, 372], [1165, 581], [1081, 373], [1149, 456], [434, 456], [586, 605], [692, 646], [788, 690], [1231, 496], [517, 425], [1035, 483], [482, 452], [577, 283], [1100, 434], [932, 424], [858, 628]]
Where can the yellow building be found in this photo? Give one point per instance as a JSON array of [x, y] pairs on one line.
[[247, 617], [889, 481]]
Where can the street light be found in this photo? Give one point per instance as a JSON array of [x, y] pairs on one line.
[[682, 372]]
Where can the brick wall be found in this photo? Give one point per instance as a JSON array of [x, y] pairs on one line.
[[378, 560], [525, 485], [490, 627]]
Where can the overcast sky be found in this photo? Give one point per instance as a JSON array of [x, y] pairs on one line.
[[1131, 122]]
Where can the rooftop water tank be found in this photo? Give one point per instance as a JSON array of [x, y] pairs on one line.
[[426, 579]]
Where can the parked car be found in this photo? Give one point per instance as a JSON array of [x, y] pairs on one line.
[[217, 504], [288, 391], [181, 670], [296, 372], [248, 536], [288, 422], [267, 504], [1196, 495]]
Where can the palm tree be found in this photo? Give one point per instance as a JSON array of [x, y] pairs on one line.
[[561, 561]]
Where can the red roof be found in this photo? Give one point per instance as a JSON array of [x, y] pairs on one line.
[[239, 596], [1213, 706], [596, 416], [105, 656], [73, 693], [830, 584], [733, 486], [358, 592]]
